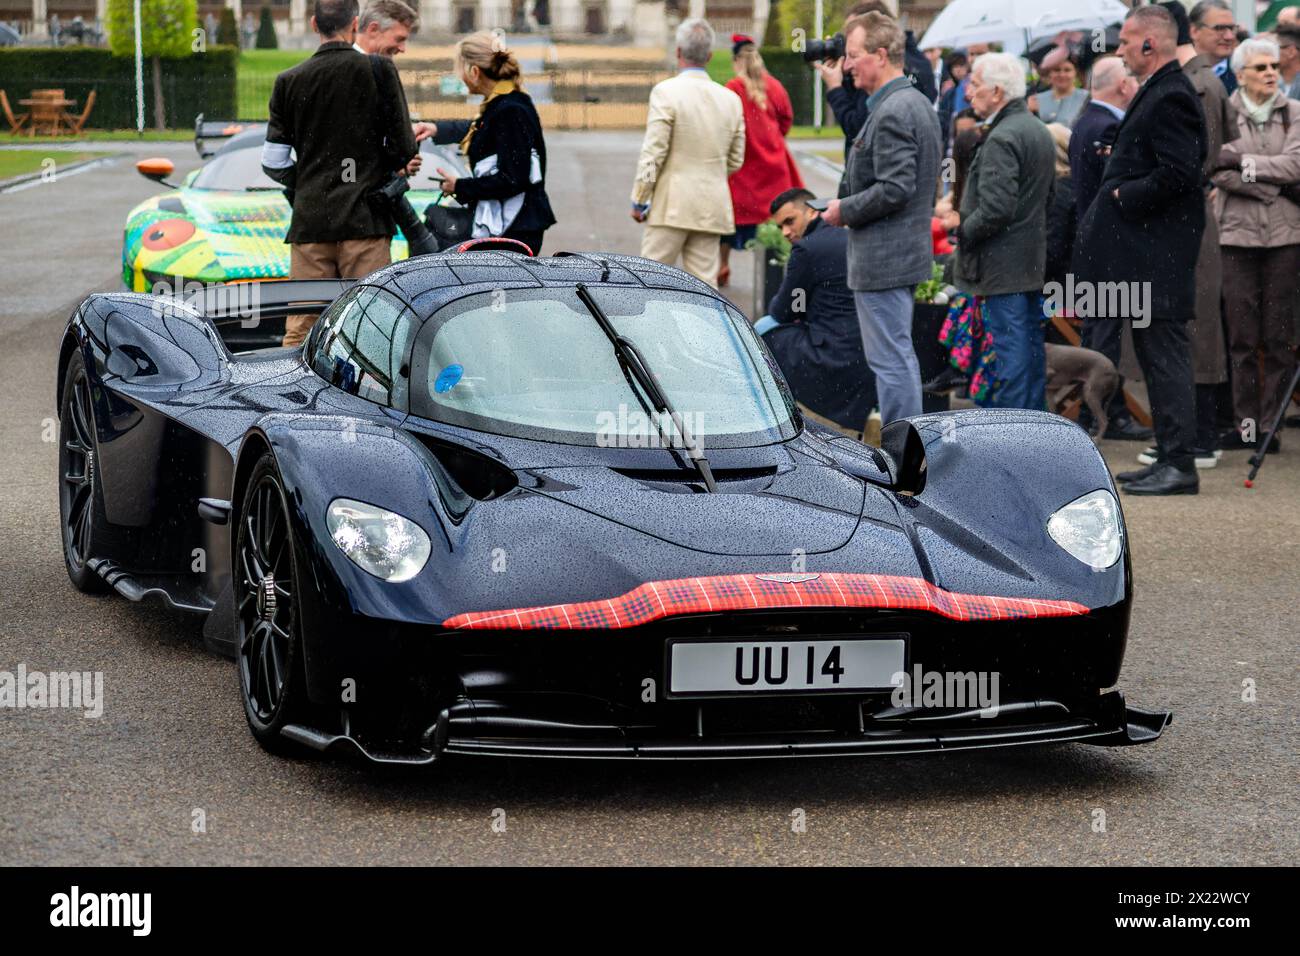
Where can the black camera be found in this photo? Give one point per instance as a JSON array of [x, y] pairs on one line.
[[419, 240], [831, 49]]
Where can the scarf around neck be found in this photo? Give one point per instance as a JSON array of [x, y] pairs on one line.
[[1258, 113], [499, 89]]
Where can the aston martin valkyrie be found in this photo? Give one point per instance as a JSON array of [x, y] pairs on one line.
[[566, 506]]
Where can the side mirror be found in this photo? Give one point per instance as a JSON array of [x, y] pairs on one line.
[[157, 169], [905, 452]]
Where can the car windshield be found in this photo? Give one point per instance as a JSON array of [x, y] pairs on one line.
[[535, 364], [241, 169], [236, 170]]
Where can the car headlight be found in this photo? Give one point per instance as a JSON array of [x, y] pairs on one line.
[[1089, 528], [386, 544]]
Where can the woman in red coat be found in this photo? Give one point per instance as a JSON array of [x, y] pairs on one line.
[[769, 170]]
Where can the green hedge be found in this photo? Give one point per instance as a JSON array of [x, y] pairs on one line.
[[788, 67], [199, 83], [797, 78]]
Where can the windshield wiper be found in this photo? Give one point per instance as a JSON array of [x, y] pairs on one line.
[[630, 358]]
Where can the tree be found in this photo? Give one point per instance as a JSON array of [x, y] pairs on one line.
[[166, 30], [773, 36], [227, 28], [266, 32], [798, 14]]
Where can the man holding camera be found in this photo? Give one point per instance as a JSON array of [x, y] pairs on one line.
[[888, 199], [338, 132], [848, 100]]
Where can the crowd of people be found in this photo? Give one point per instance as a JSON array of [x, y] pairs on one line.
[[1149, 194], [1146, 194]]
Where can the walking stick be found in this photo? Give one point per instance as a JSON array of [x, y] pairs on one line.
[[1261, 449]]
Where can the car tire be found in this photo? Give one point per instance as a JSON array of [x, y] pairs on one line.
[[83, 528], [268, 639]]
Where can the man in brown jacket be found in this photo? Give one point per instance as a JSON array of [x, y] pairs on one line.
[[338, 130]]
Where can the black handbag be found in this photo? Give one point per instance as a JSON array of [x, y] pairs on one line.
[[449, 224]]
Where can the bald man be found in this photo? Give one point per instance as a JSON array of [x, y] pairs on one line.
[[1112, 89]]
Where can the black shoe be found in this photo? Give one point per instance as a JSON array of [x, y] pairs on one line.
[[1127, 430], [1137, 474], [1165, 479], [1231, 440], [945, 382]]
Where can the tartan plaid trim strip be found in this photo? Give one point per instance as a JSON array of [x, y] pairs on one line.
[[745, 592]]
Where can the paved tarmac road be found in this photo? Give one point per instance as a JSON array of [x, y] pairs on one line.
[[1216, 604]]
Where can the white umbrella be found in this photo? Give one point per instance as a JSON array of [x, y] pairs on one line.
[[1014, 23]]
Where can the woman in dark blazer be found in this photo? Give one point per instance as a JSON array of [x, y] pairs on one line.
[[504, 145]]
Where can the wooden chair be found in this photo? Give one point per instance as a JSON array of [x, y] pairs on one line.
[[16, 122], [75, 123]]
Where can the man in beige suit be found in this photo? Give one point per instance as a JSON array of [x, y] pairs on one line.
[[694, 140]]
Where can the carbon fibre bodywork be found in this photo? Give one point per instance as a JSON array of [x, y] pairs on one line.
[[519, 523]]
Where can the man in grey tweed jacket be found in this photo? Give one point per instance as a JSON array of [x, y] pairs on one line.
[[887, 201]]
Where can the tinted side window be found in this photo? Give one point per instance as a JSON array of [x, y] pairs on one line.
[[362, 346], [321, 338]]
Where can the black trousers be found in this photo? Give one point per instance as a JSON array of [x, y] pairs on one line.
[[1105, 336], [1164, 352]]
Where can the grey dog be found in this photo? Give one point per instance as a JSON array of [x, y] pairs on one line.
[[1069, 367]]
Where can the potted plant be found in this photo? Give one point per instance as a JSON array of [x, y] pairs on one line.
[[771, 251], [928, 314]]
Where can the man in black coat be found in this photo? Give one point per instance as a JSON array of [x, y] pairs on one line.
[[812, 328], [1139, 240], [338, 130]]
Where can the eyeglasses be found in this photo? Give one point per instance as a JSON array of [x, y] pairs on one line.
[[1223, 28], [1261, 67]]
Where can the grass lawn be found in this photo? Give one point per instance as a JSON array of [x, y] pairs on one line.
[[830, 132], [100, 136], [272, 61], [257, 72], [20, 162]]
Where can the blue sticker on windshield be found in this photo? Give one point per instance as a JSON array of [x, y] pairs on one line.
[[448, 378]]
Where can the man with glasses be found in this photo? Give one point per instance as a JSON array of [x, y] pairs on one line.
[[888, 191], [1288, 44], [1214, 34]]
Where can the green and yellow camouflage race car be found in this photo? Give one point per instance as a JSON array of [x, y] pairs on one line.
[[227, 220]]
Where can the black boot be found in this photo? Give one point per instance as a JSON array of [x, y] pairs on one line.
[[946, 381], [1126, 429]]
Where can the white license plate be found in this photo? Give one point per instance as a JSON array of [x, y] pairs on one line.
[[699, 667]]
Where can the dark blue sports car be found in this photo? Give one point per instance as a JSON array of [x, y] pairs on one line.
[[567, 507]]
